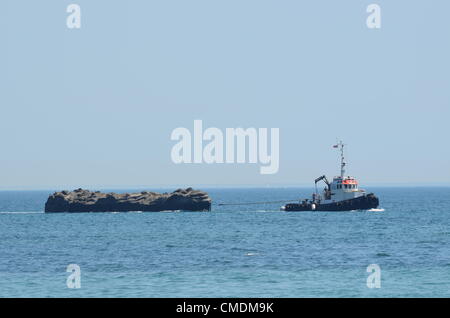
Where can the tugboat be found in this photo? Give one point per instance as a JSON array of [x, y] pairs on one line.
[[342, 194]]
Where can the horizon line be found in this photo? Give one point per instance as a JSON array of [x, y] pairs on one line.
[[214, 186]]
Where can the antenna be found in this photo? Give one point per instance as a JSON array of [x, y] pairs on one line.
[[341, 145]]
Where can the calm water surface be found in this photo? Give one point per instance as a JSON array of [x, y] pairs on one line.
[[234, 251]]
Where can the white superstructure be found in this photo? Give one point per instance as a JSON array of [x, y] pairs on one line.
[[341, 188]]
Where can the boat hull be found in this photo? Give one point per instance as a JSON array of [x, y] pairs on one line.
[[365, 202]]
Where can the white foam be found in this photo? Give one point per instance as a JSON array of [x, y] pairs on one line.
[[376, 210], [14, 212]]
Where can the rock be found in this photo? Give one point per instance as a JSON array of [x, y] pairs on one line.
[[81, 200]]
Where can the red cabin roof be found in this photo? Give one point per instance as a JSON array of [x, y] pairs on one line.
[[349, 181]]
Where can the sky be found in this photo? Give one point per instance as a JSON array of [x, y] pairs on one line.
[[95, 107]]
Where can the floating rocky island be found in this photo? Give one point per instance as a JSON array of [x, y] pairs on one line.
[[87, 201]]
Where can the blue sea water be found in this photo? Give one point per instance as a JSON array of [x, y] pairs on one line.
[[233, 251]]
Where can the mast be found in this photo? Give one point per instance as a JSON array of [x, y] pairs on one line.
[[341, 147]]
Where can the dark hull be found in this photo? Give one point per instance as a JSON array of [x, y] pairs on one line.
[[366, 202]]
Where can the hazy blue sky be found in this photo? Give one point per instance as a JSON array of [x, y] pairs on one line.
[[96, 106]]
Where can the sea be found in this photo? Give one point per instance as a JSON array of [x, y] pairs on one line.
[[401, 249]]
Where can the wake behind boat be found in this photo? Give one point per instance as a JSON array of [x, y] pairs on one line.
[[342, 194]]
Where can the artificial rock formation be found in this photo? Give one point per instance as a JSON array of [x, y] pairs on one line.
[[87, 201]]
